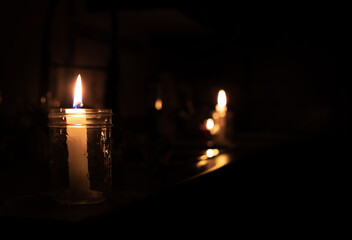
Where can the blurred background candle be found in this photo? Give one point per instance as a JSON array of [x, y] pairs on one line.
[[211, 126], [158, 104], [221, 107], [219, 117], [209, 123]]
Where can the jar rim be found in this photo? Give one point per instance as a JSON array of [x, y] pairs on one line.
[[89, 117], [54, 112]]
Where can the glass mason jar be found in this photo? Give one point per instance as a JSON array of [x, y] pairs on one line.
[[80, 162]]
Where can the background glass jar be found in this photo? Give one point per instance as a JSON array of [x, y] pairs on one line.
[[80, 162]]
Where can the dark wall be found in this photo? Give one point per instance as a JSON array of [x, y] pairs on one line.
[[281, 69]]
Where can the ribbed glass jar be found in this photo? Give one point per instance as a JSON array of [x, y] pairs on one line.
[[80, 162]]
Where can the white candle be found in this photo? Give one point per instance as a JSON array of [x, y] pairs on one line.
[[77, 143]]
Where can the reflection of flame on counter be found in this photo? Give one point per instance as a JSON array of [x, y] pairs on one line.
[[209, 153], [215, 163], [212, 153]]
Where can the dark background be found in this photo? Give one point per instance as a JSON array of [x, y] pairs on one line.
[[283, 70]]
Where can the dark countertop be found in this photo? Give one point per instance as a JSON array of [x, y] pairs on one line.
[[286, 185], [26, 197]]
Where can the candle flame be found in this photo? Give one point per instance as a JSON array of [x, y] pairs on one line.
[[77, 100], [222, 99], [210, 124], [158, 104]]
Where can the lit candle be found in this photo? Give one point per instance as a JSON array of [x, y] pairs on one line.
[[77, 142], [219, 117], [211, 126], [221, 106], [158, 104]]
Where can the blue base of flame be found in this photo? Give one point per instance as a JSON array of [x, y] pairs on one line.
[[79, 105]]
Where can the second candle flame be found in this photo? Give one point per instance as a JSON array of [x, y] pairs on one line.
[[77, 99], [222, 99]]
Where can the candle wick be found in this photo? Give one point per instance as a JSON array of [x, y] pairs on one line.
[[79, 105]]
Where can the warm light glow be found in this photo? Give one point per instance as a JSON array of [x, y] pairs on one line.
[[77, 100], [202, 162], [158, 104], [214, 163], [222, 99], [221, 108], [212, 153], [214, 126], [43, 100], [210, 124], [216, 115], [222, 160], [209, 153]]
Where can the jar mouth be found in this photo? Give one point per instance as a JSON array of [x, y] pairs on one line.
[[54, 111], [58, 117]]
